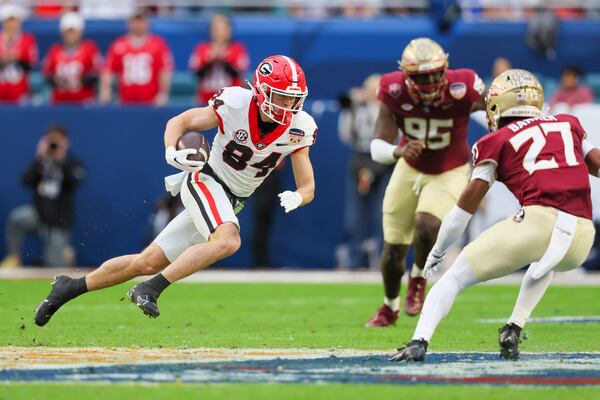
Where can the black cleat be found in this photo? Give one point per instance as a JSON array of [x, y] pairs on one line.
[[144, 299], [59, 295], [509, 341], [413, 351]]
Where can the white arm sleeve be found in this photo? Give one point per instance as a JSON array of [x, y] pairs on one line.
[[382, 152], [485, 171], [587, 146], [453, 225]]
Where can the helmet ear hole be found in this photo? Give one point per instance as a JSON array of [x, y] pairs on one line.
[[494, 107]]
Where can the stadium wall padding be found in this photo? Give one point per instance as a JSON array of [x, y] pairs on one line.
[[338, 53], [123, 152]]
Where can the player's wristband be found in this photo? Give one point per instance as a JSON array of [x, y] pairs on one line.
[[587, 147], [382, 151]]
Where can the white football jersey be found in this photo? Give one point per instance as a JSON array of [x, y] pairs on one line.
[[239, 156]]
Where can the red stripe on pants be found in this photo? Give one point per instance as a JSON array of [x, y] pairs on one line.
[[211, 200]]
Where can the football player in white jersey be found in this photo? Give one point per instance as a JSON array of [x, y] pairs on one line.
[[257, 128]]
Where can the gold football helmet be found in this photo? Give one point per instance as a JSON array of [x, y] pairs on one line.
[[424, 63], [514, 93]]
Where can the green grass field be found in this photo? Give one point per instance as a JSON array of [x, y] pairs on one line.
[[284, 316]]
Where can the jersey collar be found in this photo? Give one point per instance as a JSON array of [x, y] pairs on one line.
[[257, 141]]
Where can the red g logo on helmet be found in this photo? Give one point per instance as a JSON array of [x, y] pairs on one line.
[[265, 69], [280, 88]]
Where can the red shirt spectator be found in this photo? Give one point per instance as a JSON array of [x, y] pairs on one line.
[[18, 54], [143, 64], [220, 62], [72, 67], [571, 92]]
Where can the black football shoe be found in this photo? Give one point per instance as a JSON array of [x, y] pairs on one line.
[[413, 351], [63, 290], [145, 298], [509, 341]]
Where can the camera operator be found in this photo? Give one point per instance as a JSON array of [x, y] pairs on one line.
[[53, 175], [365, 181]]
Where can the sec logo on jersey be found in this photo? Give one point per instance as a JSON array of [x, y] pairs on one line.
[[241, 136]]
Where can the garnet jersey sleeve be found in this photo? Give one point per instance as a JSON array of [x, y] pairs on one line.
[[475, 86], [576, 126], [488, 149], [390, 87]]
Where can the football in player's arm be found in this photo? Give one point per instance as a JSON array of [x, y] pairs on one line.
[[552, 231], [430, 105], [256, 129]]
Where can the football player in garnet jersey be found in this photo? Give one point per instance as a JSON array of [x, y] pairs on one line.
[[544, 161], [430, 104], [257, 128]]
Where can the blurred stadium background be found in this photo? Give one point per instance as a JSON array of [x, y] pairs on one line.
[[338, 43]]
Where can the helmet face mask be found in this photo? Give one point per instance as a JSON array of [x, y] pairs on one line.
[[427, 85], [514, 93], [280, 88], [424, 64]]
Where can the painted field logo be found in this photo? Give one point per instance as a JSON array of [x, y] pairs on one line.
[[298, 366], [296, 135]]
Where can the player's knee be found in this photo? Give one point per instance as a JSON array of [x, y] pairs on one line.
[[229, 244], [233, 244], [228, 247], [426, 228], [144, 265], [393, 256]]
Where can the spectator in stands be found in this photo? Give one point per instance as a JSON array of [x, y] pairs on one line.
[[500, 65], [167, 207], [366, 179], [53, 176], [72, 67], [220, 62], [142, 63], [571, 91], [360, 8], [18, 54]]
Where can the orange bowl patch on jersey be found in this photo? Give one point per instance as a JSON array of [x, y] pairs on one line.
[[296, 135]]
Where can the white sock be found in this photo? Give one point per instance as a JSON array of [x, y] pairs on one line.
[[394, 303], [529, 296], [441, 296], [416, 272]]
